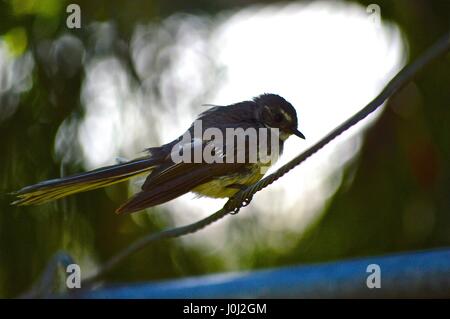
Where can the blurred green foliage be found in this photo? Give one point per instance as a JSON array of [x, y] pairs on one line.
[[395, 196]]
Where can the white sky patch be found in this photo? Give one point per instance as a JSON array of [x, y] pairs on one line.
[[328, 59]]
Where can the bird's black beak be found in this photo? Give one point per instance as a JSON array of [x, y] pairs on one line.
[[298, 133]]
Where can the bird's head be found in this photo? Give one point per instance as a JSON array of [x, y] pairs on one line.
[[275, 112]]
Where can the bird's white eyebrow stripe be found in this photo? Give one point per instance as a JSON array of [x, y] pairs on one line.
[[286, 115]]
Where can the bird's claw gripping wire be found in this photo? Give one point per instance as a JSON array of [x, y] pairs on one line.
[[235, 204]]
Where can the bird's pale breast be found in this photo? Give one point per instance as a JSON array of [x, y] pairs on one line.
[[222, 187]]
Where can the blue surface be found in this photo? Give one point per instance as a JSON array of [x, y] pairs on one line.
[[418, 274]]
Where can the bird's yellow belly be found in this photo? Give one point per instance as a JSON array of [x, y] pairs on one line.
[[219, 188]]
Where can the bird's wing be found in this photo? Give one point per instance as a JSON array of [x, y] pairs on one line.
[[175, 179]]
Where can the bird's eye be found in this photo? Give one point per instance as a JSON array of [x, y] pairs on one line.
[[278, 117]]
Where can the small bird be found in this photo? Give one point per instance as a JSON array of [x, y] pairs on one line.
[[168, 177]]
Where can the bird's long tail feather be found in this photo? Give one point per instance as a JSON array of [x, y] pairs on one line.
[[56, 188]]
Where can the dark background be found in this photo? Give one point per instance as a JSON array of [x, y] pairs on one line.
[[395, 195]]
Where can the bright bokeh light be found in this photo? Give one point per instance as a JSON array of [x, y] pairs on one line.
[[328, 59], [15, 79]]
